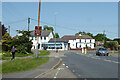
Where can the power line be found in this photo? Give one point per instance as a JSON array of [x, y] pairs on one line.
[[14, 22], [54, 25]]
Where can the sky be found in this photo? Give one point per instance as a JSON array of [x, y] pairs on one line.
[[71, 17]]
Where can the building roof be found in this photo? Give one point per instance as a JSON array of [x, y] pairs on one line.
[[72, 37], [44, 33], [58, 40]]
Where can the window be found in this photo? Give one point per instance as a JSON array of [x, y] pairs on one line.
[[32, 37], [90, 41], [44, 38], [41, 37], [80, 40], [35, 37]]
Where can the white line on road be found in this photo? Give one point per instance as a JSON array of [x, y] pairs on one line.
[[63, 64], [67, 67], [57, 72], [115, 62], [73, 71], [107, 60]]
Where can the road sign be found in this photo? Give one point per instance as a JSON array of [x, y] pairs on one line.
[[38, 30]]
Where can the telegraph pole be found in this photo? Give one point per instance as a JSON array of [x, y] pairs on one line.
[[38, 26], [55, 32], [28, 23], [9, 29], [104, 36]]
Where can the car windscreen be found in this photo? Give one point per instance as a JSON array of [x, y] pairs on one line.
[[101, 49]]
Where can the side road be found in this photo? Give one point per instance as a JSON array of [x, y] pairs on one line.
[[33, 73]]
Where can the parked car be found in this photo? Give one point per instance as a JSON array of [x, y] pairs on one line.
[[102, 52]]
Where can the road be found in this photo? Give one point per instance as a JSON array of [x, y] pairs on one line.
[[91, 66]]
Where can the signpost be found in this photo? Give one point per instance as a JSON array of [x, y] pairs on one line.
[[38, 30]]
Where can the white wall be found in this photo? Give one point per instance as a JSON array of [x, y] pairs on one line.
[[83, 43], [41, 41]]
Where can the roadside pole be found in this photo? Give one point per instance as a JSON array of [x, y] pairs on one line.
[[37, 50], [38, 29], [55, 32]]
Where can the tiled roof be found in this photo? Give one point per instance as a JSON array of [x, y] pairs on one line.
[[72, 37], [44, 33], [58, 40]]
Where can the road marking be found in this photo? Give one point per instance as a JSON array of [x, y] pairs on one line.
[[79, 75], [63, 64], [115, 62], [57, 72], [73, 70], [67, 67], [107, 60], [94, 57]]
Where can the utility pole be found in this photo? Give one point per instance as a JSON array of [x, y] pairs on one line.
[[28, 23], [55, 32], [38, 26], [9, 29], [104, 36]]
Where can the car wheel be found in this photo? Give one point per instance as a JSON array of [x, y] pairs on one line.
[[107, 54], [99, 54]]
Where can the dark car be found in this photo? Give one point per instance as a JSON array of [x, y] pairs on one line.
[[102, 52]]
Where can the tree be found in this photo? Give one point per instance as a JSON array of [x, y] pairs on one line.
[[6, 42], [84, 33], [101, 37], [51, 28], [4, 30], [56, 35], [45, 27], [117, 39], [111, 45], [23, 43]]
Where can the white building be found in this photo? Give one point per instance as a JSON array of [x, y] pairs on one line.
[[46, 35], [79, 41], [47, 42]]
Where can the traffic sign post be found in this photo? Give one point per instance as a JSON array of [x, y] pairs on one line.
[[38, 30]]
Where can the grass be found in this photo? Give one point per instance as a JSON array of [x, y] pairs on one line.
[[43, 53], [58, 65], [9, 54], [23, 64], [4, 58]]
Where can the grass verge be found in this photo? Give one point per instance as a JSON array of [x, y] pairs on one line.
[[9, 54], [58, 65], [43, 53], [23, 64]]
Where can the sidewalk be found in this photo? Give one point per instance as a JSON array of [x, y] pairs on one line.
[[33, 73]]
